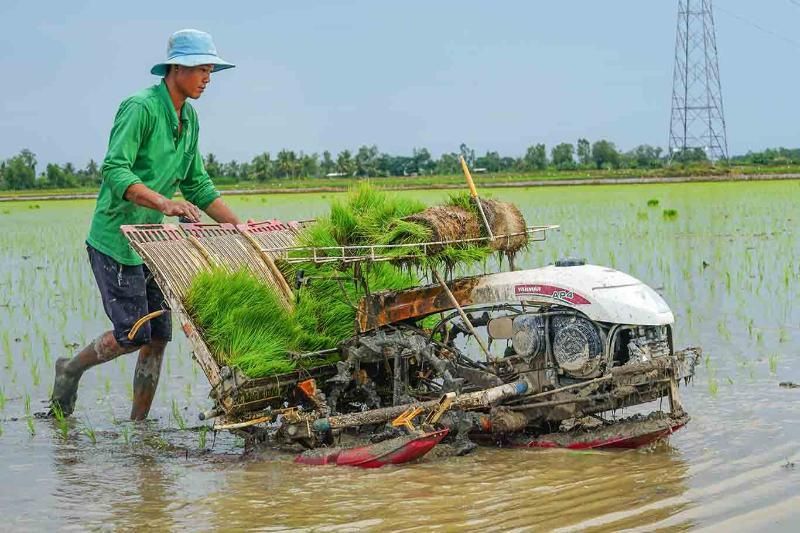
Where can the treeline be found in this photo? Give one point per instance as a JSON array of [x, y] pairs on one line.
[[20, 172]]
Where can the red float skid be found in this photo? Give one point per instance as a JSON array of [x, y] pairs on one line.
[[392, 452]]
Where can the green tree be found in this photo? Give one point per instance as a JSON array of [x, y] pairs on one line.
[[690, 155], [536, 157], [286, 164], [563, 156], [366, 161], [422, 161], [245, 172], [20, 172], [645, 156], [230, 169], [327, 165], [58, 177], [605, 154], [448, 164], [213, 167], [261, 167], [309, 165], [584, 153], [92, 173], [491, 162], [344, 163]]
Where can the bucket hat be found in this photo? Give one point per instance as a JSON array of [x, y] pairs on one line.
[[191, 48]]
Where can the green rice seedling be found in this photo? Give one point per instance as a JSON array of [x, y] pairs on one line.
[[129, 390], [61, 422], [176, 414], [670, 214], [31, 426], [652, 202], [773, 363], [126, 435], [202, 436], [35, 377], [2, 399], [89, 431], [48, 359], [783, 335], [642, 215], [107, 385], [713, 386], [27, 404]]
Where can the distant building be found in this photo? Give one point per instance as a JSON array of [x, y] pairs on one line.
[[336, 174]]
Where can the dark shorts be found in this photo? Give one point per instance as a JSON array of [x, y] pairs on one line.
[[129, 293]]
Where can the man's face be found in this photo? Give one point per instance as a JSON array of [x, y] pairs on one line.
[[192, 81]]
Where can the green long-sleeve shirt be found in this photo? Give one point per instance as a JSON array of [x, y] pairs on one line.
[[145, 147]]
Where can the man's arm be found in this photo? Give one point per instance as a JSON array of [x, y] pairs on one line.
[[142, 195], [219, 211]]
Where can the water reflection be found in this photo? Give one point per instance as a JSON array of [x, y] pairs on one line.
[[495, 489]]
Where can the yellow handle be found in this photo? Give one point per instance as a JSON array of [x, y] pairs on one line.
[[141, 322], [472, 190]]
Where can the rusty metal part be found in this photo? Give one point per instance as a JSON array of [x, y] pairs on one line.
[[389, 307]]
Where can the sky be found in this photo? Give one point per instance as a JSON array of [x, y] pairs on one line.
[[313, 75]]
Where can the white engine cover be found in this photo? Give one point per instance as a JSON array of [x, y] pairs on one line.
[[601, 293]]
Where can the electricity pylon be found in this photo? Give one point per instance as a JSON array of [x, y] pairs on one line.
[[698, 121]]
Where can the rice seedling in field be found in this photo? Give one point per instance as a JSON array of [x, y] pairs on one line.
[[89, 431], [176, 414], [670, 214], [773, 363], [652, 202], [31, 426], [126, 435], [201, 437], [35, 377], [62, 425], [27, 404], [2, 399]]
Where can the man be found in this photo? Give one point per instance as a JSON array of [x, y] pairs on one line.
[[152, 151]]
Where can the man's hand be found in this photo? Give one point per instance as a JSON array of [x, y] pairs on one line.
[[173, 208], [140, 194]]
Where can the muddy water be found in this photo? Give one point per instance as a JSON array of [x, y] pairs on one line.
[[727, 264]]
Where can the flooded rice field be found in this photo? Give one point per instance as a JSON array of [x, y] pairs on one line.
[[725, 256]]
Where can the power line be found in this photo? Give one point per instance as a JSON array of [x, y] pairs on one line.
[[761, 28]]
